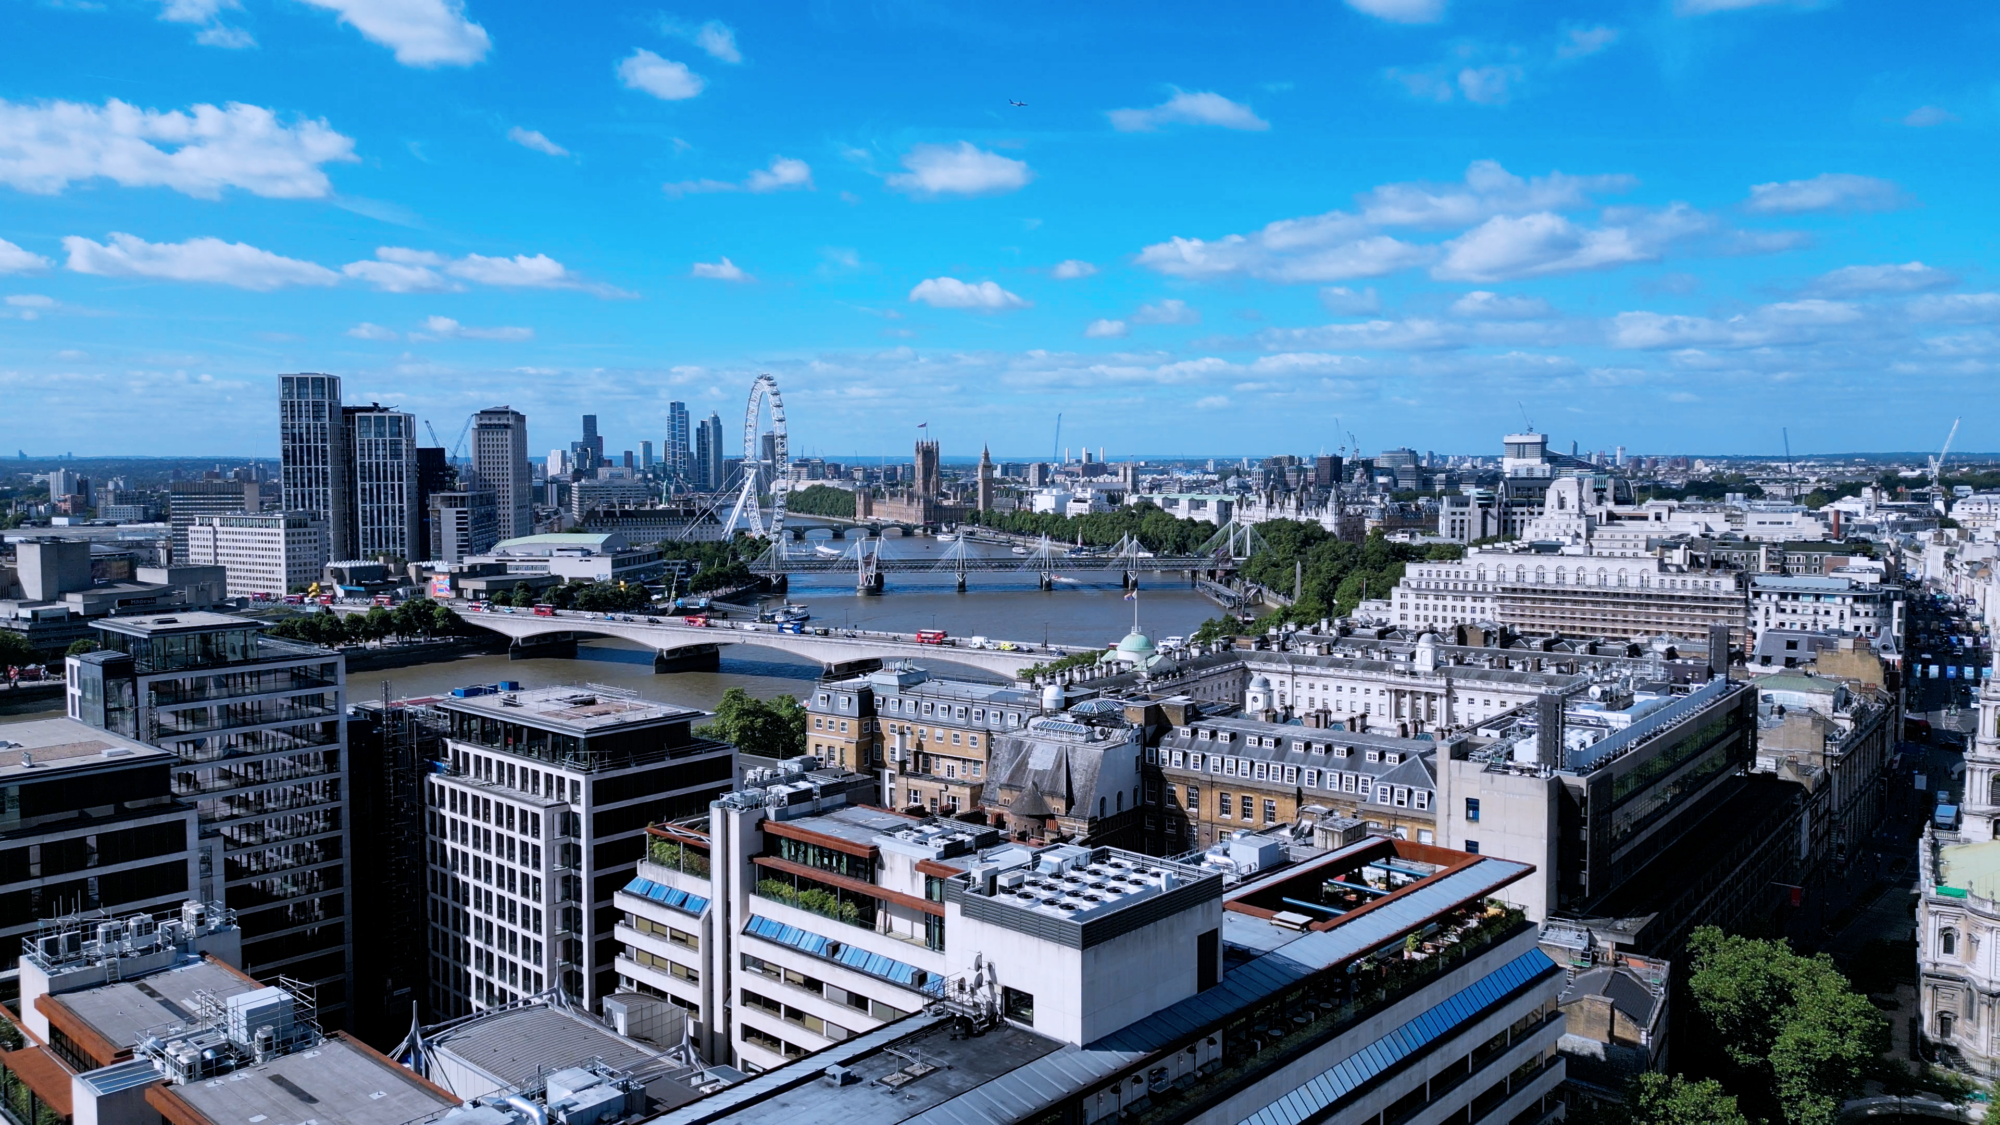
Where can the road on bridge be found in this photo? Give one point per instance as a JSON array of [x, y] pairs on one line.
[[831, 647]]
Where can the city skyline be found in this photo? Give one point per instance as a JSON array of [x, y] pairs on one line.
[[1418, 217]]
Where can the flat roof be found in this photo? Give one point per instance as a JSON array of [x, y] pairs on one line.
[[122, 1011], [857, 824], [580, 709], [63, 744], [1971, 867], [339, 1082], [193, 621], [515, 1047]]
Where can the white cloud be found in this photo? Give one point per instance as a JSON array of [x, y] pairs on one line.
[[13, 259], [533, 138], [1828, 191], [1709, 7], [1925, 116], [1489, 85], [724, 270], [1389, 335], [1186, 108], [367, 331], [719, 41], [1910, 277], [1342, 301], [951, 293], [1788, 322], [1958, 308], [421, 32], [1292, 250], [1105, 329], [31, 301], [47, 146], [1072, 269], [1401, 11], [1507, 246], [662, 78], [207, 14], [1581, 42], [783, 174], [400, 270], [1172, 311], [959, 169], [519, 271], [444, 327], [197, 259], [1483, 305]]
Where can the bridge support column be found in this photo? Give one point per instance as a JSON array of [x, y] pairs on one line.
[[961, 582], [798, 534], [870, 585], [840, 533], [1047, 581], [694, 658], [548, 646]]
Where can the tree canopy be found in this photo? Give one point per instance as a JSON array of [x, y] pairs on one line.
[[821, 500], [774, 728], [1154, 529], [1792, 1034], [1334, 575], [418, 617], [15, 649]]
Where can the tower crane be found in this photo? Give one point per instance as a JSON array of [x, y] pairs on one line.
[[1937, 466]]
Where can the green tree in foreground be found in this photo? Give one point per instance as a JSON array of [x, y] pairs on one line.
[[1791, 1028], [15, 649], [78, 648], [774, 728], [1656, 1099]]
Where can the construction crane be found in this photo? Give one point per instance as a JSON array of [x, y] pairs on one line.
[[434, 434], [458, 447], [1937, 467], [1791, 486]]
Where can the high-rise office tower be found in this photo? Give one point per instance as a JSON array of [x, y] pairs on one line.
[[539, 819], [646, 457], [678, 450], [259, 728], [500, 463], [717, 476], [589, 453], [698, 473], [314, 454], [382, 485]]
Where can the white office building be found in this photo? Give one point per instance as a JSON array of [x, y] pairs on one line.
[[275, 553], [500, 462], [538, 815]]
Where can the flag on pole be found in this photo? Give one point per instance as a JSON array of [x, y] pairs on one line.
[[923, 425]]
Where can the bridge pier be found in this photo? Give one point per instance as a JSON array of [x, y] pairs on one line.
[[694, 658], [1047, 581], [840, 533], [870, 585], [548, 646], [798, 534], [961, 582]]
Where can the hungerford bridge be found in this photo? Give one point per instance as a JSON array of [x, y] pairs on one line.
[[1224, 551]]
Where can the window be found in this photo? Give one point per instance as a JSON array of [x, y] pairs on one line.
[[1472, 847], [1194, 798], [1246, 806], [1948, 943], [1472, 810], [1270, 811], [1019, 1006], [1226, 807]]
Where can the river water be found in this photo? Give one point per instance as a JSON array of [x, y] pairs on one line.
[[1089, 611]]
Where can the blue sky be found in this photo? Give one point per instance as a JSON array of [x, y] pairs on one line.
[[1675, 225]]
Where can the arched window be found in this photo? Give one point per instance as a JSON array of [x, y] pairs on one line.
[[1100, 806], [1121, 800], [1993, 790], [1948, 943]]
